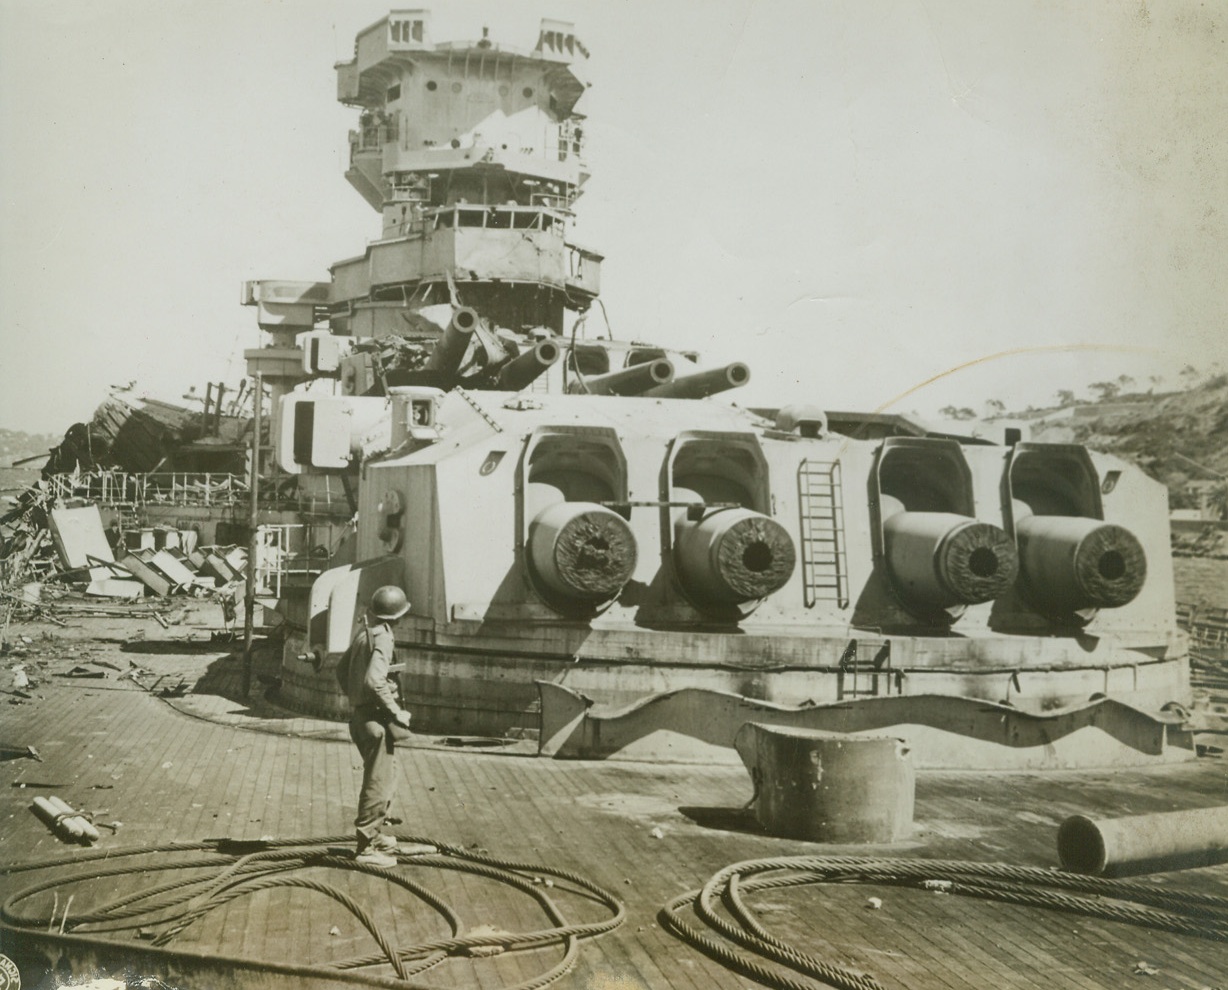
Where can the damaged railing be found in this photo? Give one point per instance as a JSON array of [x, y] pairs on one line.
[[1208, 630], [295, 554], [114, 489]]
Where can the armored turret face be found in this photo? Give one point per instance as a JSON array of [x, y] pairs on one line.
[[599, 530]]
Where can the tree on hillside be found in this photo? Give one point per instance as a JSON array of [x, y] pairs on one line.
[[994, 407], [1065, 397], [951, 412], [1217, 500]]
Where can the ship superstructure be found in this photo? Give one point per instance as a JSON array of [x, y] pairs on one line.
[[472, 154], [583, 532]]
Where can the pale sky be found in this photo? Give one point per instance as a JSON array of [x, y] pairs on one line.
[[852, 196]]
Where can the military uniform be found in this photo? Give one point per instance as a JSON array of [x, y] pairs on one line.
[[363, 675]]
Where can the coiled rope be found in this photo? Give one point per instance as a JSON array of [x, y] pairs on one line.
[[1188, 913], [243, 867]]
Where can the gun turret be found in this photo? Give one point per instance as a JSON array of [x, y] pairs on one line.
[[523, 369], [635, 380], [1071, 562], [581, 551], [702, 383], [733, 555]]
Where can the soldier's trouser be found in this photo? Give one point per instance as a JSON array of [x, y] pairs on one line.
[[378, 774]]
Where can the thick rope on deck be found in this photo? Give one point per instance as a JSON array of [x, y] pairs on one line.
[[1184, 912], [240, 868]]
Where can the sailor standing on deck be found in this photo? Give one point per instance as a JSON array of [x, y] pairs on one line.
[[363, 674]]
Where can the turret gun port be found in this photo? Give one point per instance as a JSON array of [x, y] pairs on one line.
[[582, 552], [733, 556]]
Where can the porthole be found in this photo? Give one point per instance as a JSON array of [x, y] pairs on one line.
[[503, 90], [528, 92], [432, 85], [456, 87]]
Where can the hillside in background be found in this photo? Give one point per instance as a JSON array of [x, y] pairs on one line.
[[16, 446], [1178, 438]]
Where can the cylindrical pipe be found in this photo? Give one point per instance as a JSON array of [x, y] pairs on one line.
[[582, 551], [523, 369], [449, 350], [538, 496], [1072, 562], [1170, 840], [76, 823], [628, 381], [733, 556], [66, 828], [63, 820], [941, 559], [702, 383]]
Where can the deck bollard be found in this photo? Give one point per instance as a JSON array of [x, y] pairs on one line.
[[829, 786]]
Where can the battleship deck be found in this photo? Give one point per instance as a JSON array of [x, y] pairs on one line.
[[208, 765]]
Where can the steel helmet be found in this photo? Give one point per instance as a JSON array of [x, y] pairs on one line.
[[389, 603]]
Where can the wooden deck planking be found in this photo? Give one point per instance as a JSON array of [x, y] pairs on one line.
[[993, 942], [520, 791], [247, 823], [500, 793], [896, 926], [562, 789], [551, 812], [469, 896], [627, 957], [229, 756], [608, 852], [679, 865]]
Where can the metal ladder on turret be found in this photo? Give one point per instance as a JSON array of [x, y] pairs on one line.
[[821, 507]]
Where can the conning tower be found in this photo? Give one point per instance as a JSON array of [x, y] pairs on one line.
[[472, 153]]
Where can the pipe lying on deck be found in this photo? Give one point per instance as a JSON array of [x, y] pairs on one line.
[[703, 383], [1171, 840], [628, 381], [522, 370], [68, 824]]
